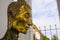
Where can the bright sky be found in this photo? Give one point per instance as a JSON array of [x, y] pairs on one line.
[[45, 13]]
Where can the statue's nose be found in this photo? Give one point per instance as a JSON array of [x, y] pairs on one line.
[[30, 24]]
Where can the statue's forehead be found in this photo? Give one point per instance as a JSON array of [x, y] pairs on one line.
[[15, 7], [23, 8]]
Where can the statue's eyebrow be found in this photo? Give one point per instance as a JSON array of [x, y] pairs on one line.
[[28, 14]]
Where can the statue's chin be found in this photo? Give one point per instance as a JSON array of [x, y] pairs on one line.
[[24, 32], [21, 28]]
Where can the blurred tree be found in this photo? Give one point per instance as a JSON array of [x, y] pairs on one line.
[[34, 38], [45, 38], [54, 37], [42, 38]]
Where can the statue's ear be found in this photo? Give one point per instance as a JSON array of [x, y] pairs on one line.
[[10, 19]]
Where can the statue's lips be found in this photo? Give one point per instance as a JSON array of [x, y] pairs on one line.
[[28, 25], [24, 29]]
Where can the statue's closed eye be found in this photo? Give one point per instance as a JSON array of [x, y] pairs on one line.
[[27, 15]]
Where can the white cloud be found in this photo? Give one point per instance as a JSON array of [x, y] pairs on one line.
[[48, 1]]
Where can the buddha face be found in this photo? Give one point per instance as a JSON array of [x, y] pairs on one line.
[[23, 20]]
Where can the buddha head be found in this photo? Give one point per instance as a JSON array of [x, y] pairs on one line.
[[21, 20]]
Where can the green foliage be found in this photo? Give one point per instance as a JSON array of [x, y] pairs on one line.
[[34, 38], [54, 37], [45, 38]]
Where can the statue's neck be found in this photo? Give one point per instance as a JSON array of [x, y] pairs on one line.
[[11, 35]]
